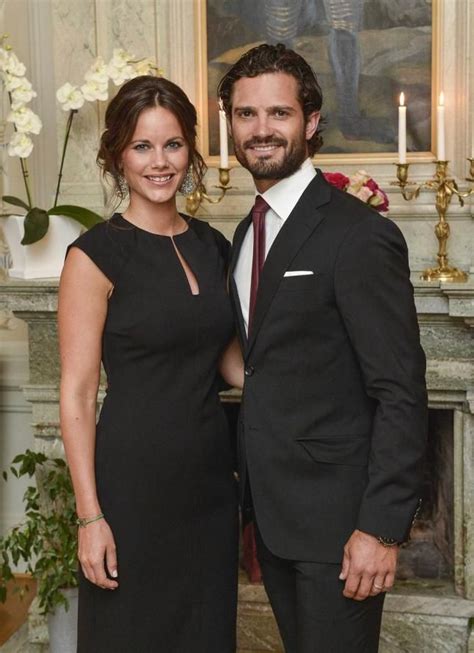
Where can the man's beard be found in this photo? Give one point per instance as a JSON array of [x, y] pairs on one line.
[[262, 168]]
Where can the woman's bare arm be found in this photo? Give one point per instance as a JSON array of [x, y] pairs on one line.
[[83, 296], [231, 365]]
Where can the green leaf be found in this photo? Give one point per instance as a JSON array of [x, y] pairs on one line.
[[36, 226], [86, 217], [16, 201]]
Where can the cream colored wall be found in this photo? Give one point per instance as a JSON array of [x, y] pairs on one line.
[[58, 39]]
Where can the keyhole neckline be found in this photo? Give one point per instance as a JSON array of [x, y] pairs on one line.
[[186, 219]]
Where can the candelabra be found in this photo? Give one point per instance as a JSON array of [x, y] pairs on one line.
[[194, 200], [445, 188]]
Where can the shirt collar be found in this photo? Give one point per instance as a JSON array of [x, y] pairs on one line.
[[283, 196]]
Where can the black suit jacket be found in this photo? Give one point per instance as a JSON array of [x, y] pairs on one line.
[[333, 419]]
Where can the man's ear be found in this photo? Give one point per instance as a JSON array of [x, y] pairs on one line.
[[312, 124]]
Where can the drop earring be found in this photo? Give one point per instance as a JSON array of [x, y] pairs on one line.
[[122, 186], [188, 184]]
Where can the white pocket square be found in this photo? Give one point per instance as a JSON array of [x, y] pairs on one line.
[[298, 273]]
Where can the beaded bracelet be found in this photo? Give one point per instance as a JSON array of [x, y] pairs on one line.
[[83, 521]]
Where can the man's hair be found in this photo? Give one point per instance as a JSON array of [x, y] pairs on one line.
[[277, 59]]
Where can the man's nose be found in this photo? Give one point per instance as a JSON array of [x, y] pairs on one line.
[[262, 127]]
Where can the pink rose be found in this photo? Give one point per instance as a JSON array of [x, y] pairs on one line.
[[380, 199], [364, 194], [381, 202], [337, 179]]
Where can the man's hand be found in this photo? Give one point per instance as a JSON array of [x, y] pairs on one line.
[[368, 567]]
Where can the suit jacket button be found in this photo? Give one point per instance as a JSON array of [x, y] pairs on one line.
[[249, 370]]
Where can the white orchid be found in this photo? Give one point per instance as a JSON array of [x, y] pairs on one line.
[[20, 145], [120, 75], [25, 120], [93, 90], [97, 73], [22, 94], [119, 68], [144, 67], [4, 57], [14, 65], [11, 82], [70, 97]]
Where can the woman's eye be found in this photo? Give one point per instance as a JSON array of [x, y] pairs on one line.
[[140, 147], [174, 145]]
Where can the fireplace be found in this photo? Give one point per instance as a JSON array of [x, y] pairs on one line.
[[430, 552]]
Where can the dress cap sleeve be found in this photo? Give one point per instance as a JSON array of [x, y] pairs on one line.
[[108, 245]]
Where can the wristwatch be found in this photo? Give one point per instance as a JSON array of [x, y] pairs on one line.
[[387, 541]]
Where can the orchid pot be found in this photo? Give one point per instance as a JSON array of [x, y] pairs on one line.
[[44, 258]]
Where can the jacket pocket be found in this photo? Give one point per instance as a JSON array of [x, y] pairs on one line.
[[301, 283], [351, 450]]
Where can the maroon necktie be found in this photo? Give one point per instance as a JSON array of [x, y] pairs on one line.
[[249, 549], [258, 218]]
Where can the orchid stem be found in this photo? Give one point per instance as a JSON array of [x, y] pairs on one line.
[[25, 175], [24, 168], [66, 139]]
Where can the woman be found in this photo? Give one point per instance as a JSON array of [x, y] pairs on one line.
[[145, 292]]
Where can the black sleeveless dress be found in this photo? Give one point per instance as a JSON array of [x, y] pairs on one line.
[[164, 462]]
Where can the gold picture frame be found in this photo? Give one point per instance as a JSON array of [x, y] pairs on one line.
[[324, 159]]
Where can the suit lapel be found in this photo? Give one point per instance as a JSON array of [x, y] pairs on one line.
[[236, 247], [238, 240], [298, 227]]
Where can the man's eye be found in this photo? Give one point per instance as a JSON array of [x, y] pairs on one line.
[[245, 114], [281, 113]]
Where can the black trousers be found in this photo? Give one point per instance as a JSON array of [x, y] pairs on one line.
[[312, 614]]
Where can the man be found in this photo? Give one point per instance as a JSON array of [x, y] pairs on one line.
[[334, 405]]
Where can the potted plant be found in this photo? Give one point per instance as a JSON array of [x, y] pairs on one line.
[[45, 253], [46, 542]]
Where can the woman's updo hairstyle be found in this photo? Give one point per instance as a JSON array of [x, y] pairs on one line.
[[121, 117]]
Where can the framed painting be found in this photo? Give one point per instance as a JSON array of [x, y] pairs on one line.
[[364, 53]]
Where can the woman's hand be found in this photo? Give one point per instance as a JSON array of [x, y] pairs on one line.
[[96, 550]]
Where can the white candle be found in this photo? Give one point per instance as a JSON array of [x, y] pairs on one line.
[[224, 148], [440, 129], [472, 138], [402, 130]]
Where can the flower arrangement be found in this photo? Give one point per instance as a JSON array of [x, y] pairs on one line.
[[362, 186], [121, 67]]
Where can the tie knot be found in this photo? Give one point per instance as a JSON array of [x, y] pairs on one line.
[[260, 207]]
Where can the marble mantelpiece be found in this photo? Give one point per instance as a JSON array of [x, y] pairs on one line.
[[431, 620]]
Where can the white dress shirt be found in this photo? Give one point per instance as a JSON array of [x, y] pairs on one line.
[[282, 199]]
